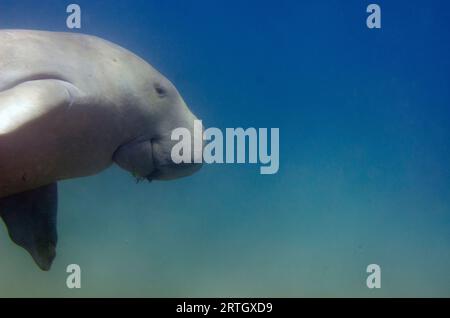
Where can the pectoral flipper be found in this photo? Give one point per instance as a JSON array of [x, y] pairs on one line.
[[31, 221]]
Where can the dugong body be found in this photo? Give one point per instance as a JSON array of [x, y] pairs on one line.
[[70, 106]]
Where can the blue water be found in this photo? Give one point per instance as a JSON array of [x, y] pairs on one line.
[[364, 118]]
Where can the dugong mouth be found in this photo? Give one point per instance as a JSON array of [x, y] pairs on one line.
[[173, 171], [153, 175]]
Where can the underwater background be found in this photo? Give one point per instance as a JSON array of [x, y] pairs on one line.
[[364, 118]]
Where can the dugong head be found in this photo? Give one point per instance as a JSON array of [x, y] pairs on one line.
[[162, 110]]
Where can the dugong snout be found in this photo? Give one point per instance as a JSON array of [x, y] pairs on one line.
[[151, 158], [167, 165]]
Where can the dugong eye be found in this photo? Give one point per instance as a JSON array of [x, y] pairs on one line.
[[160, 90]]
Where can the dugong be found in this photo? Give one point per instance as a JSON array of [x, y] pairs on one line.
[[70, 106]]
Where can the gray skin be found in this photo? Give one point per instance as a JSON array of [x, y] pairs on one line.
[[72, 104], [69, 102]]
